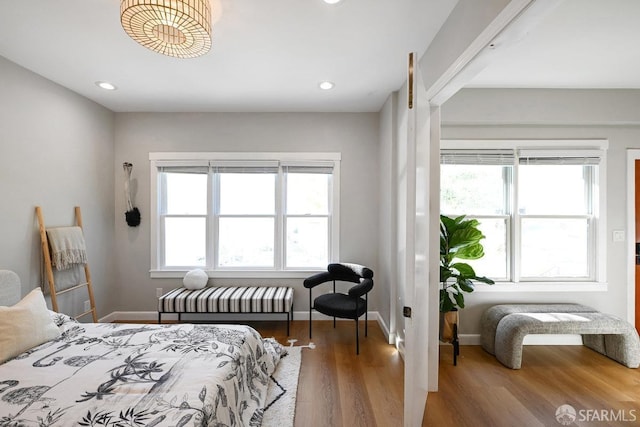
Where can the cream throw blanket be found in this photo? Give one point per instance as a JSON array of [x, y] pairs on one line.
[[67, 247]]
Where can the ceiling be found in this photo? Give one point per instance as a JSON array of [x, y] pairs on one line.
[[266, 55], [580, 44], [271, 56]]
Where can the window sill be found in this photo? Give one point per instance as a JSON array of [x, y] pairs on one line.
[[543, 287], [237, 274]]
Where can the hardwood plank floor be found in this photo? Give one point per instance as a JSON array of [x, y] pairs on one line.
[[481, 392], [338, 388]]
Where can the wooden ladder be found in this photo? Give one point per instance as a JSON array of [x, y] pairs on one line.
[[49, 269]]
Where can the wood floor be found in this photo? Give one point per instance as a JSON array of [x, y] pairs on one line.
[[338, 388], [481, 392]]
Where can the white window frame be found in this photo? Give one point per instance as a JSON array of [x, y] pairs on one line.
[[311, 159], [598, 281]]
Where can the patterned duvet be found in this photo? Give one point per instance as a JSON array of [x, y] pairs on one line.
[[140, 375]]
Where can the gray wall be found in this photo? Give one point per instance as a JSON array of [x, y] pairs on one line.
[[56, 151], [387, 212], [556, 114], [137, 134]]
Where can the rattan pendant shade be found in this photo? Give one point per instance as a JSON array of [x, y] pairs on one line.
[[178, 28]]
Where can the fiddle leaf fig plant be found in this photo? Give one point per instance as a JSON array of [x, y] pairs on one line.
[[459, 240]]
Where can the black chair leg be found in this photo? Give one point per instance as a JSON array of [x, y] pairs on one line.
[[366, 314], [357, 337], [310, 308], [366, 325]]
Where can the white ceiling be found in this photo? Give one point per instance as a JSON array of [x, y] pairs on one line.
[[270, 56], [266, 55], [581, 44]]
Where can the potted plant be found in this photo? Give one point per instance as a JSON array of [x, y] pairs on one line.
[[459, 239]]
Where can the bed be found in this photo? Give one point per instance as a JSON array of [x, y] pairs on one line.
[[94, 374]]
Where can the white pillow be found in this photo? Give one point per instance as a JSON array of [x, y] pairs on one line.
[[195, 279], [25, 325]]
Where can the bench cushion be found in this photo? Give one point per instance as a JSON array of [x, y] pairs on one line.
[[226, 299]]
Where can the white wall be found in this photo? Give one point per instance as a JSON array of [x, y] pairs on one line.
[[387, 267], [555, 114], [137, 134], [393, 209], [402, 182], [56, 151]]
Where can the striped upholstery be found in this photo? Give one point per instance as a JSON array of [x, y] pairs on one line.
[[224, 299]]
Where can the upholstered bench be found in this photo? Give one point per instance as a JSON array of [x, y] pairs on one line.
[[226, 299], [493, 315], [604, 333]]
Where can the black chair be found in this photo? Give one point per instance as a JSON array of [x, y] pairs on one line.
[[350, 305]]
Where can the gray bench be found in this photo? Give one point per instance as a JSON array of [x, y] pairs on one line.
[[505, 326]]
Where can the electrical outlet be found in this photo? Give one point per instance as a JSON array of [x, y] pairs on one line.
[[87, 305], [618, 235], [159, 292]]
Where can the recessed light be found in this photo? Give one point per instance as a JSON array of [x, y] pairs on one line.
[[106, 86], [332, 1], [326, 85]]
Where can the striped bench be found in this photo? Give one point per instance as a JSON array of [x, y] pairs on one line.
[[226, 299]]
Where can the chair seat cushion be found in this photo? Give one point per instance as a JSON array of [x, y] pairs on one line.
[[340, 305]]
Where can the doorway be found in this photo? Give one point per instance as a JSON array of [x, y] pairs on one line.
[[633, 237]]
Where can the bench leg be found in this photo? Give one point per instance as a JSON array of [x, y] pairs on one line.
[[159, 318], [287, 323], [456, 345]]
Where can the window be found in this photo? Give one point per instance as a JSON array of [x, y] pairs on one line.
[[539, 208], [234, 212]]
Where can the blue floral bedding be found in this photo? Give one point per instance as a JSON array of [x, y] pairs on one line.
[[117, 375]]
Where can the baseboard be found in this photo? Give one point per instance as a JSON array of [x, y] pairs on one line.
[[385, 329], [465, 339], [533, 339], [469, 339], [297, 315]]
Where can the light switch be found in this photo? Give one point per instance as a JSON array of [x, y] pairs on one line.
[[618, 235]]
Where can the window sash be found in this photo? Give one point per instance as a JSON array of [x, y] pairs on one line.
[[592, 159], [214, 168], [590, 248], [302, 168], [163, 221]]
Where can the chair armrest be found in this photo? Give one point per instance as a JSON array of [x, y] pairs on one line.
[[317, 279], [358, 290]]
